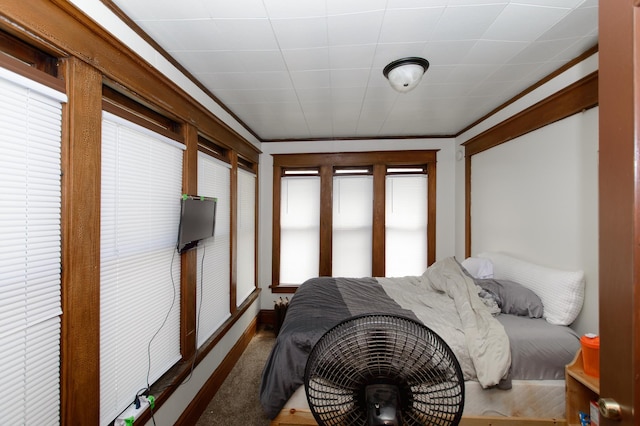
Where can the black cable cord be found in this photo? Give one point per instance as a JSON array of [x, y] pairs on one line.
[[147, 390]]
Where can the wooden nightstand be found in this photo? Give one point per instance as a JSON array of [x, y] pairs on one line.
[[580, 389]]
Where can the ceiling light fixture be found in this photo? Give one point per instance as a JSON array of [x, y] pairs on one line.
[[405, 74]]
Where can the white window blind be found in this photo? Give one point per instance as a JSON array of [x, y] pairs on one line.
[[406, 225], [246, 282], [299, 228], [352, 226], [139, 267], [30, 198], [214, 255]]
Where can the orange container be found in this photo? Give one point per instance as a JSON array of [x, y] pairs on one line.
[[591, 354]]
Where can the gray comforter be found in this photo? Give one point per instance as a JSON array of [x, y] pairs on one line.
[[443, 295]]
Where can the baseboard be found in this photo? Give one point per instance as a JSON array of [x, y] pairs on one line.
[[197, 406], [267, 317]]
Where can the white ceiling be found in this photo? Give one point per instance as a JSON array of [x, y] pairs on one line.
[[303, 69]]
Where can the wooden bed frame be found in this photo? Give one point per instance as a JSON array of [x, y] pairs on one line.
[[293, 417]]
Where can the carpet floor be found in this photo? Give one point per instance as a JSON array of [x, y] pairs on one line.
[[237, 401]]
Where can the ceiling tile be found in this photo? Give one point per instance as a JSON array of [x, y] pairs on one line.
[[446, 52], [403, 25], [279, 9], [307, 59], [354, 56], [493, 52], [246, 34], [519, 22], [341, 7], [224, 9], [574, 25], [302, 33], [357, 28], [313, 68], [540, 51], [311, 79], [357, 77], [466, 22], [143, 10]]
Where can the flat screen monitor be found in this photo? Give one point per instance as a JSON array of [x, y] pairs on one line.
[[197, 221]]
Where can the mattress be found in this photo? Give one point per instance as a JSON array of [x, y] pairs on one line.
[[538, 351], [526, 398]]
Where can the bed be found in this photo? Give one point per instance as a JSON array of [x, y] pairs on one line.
[[511, 345]]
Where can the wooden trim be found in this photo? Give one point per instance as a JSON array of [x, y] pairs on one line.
[[326, 221], [577, 97], [189, 259], [266, 317], [275, 226], [116, 109], [256, 218], [378, 237], [619, 208], [362, 158], [29, 55], [146, 117], [81, 189], [213, 149], [431, 213], [294, 417], [200, 402], [30, 62], [467, 206], [378, 160], [233, 299]]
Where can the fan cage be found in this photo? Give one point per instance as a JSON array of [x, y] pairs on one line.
[[383, 349]]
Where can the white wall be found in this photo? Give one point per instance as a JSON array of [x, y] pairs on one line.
[[536, 197], [173, 408], [555, 167], [445, 192]]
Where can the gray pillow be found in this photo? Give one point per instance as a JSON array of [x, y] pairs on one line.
[[513, 298]]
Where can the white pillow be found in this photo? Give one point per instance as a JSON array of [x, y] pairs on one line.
[[478, 267], [561, 292]]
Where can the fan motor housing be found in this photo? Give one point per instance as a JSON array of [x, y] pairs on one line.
[[383, 405]]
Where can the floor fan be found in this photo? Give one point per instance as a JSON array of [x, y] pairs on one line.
[[379, 369]]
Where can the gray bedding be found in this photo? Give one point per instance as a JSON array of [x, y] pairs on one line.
[[538, 350], [318, 305]]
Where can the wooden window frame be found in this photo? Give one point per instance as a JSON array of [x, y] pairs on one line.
[[36, 42], [326, 163]]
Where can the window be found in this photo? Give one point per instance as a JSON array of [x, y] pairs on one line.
[[355, 214], [352, 223], [139, 266], [299, 226], [405, 224], [30, 202], [214, 256], [246, 281]]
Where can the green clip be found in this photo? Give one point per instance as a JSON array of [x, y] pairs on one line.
[[185, 196], [129, 421], [201, 198], [152, 401]]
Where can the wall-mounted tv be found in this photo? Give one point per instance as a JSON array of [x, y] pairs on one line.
[[197, 220]]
